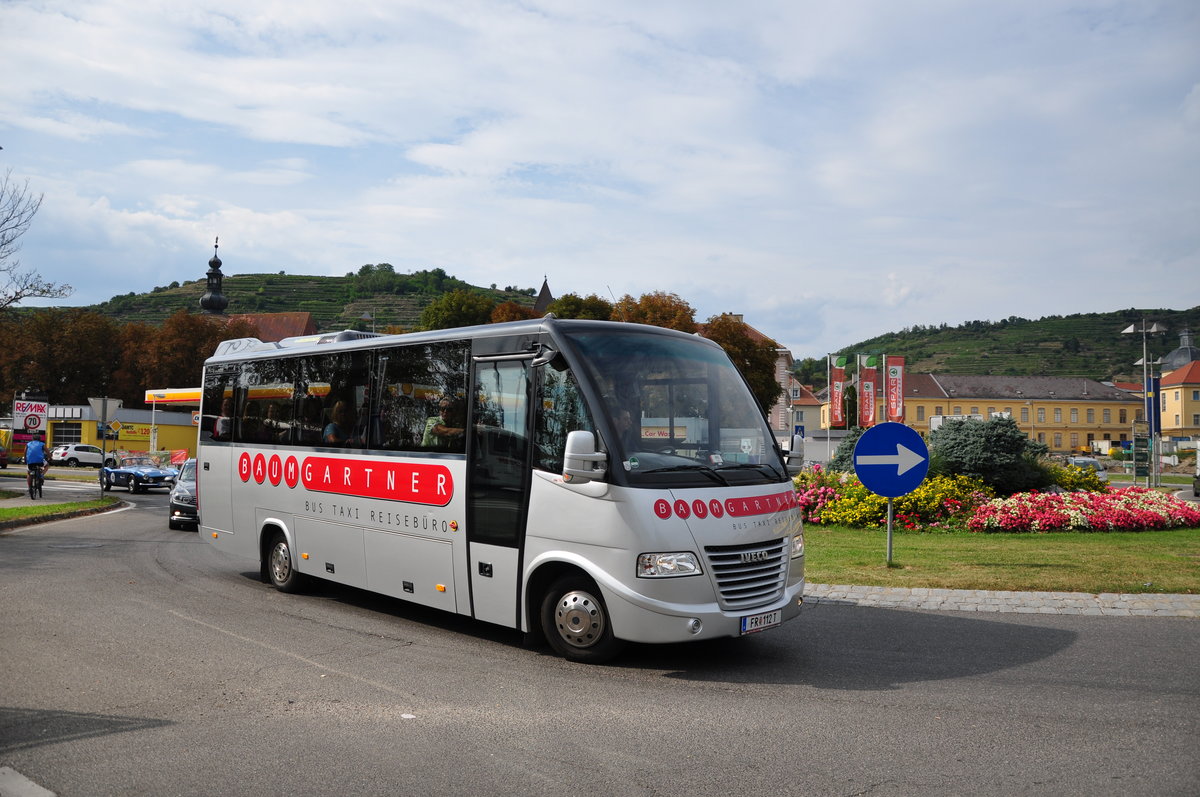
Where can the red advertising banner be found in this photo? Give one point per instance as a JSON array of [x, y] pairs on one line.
[[895, 389], [868, 365], [837, 391]]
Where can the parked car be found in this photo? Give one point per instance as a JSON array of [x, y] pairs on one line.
[[138, 474], [75, 454], [182, 505], [1090, 462]]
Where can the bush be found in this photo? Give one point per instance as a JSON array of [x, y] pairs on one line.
[[843, 457], [826, 496], [1073, 477], [995, 451]]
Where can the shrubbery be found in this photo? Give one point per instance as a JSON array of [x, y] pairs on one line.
[[941, 503], [838, 498], [972, 462], [1073, 477]]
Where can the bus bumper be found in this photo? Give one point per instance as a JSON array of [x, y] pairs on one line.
[[636, 618]]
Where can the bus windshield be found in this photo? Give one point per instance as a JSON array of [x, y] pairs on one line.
[[679, 412]]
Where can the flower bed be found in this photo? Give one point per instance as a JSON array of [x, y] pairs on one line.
[[1125, 509], [839, 498]]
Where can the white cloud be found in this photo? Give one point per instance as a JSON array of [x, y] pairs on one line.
[[835, 170]]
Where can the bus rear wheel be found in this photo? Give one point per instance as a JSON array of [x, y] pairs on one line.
[[281, 566], [576, 621]]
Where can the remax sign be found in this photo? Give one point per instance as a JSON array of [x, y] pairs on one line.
[[30, 416]]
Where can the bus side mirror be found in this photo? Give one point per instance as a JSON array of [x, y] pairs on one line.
[[581, 461]]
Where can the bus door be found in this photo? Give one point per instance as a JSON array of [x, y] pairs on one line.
[[498, 473]]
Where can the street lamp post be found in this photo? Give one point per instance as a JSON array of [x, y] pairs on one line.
[[1147, 403], [367, 316]]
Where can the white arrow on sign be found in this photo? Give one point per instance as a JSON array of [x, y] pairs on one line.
[[904, 459]]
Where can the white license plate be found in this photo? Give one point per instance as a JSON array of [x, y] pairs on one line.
[[761, 622]]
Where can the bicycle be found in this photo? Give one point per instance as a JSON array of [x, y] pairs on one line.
[[37, 478]]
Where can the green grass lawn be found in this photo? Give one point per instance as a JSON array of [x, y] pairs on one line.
[[1145, 561], [47, 510]]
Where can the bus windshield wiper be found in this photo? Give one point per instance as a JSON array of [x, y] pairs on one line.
[[748, 466], [707, 471]]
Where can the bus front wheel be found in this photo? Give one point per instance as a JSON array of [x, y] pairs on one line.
[[576, 622], [280, 565]]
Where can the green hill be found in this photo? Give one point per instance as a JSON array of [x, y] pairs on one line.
[[1085, 345], [335, 302]]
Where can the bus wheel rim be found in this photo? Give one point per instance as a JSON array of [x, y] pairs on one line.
[[281, 562], [579, 619]]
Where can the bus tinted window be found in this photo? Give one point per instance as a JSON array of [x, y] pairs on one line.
[[422, 398], [216, 415], [263, 401], [563, 410], [679, 411], [334, 387]]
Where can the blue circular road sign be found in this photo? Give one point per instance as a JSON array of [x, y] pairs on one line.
[[891, 459]]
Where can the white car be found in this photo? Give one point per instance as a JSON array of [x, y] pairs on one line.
[[76, 454]]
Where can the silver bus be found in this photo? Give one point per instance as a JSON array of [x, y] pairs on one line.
[[592, 482]]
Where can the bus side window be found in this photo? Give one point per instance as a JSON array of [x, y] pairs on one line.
[[216, 413], [412, 382], [561, 409]]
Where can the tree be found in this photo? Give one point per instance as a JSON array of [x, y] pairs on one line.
[[572, 305], [658, 309], [66, 353], [995, 451], [756, 359], [176, 355], [811, 371], [511, 311], [843, 457], [458, 308], [17, 209]]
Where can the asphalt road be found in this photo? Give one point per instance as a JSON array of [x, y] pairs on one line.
[[136, 660]]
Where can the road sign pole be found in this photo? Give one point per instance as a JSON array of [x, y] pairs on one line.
[[891, 459], [891, 515]]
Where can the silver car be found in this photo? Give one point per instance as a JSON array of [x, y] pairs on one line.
[[182, 506]]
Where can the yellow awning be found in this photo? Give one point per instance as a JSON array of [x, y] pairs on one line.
[[174, 395]]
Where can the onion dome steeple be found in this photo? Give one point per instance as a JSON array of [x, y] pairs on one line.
[[213, 301]]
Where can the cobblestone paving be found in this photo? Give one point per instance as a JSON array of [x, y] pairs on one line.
[[974, 600]]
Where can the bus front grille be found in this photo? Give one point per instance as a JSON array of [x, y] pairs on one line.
[[750, 575]]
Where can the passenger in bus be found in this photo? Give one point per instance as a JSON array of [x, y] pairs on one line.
[[340, 429], [310, 421], [624, 423], [251, 431], [446, 430], [223, 427], [273, 429]]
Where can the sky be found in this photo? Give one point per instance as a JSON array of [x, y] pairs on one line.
[[832, 171]]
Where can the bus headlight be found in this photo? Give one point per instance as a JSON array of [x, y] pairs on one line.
[[667, 565], [798, 545]]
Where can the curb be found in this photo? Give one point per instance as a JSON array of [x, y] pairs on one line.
[[1110, 604]]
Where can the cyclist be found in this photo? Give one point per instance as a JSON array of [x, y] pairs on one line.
[[35, 457]]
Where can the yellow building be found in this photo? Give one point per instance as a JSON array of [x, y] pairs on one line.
[[1065, 413], [1179, 401], [129, 430]]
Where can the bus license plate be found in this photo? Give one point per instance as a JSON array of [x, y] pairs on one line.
[[761, 622]]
